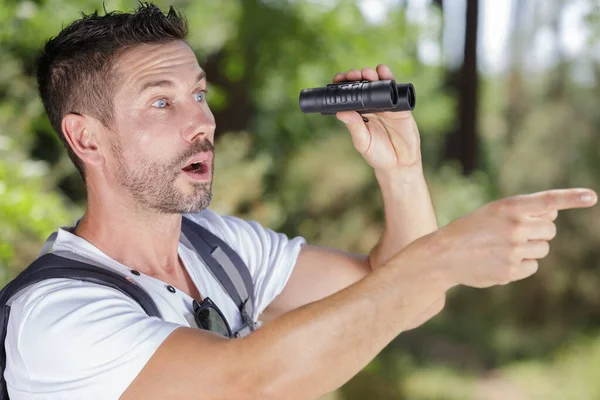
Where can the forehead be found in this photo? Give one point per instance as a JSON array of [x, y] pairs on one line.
[[173, 60]]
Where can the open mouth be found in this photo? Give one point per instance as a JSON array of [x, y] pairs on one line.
[[196, 167], [199, 168]]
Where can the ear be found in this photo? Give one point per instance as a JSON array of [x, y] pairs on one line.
[[81, 134]]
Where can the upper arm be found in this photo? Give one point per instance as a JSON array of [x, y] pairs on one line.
[[193, 364], [318, 273], [75, 340]]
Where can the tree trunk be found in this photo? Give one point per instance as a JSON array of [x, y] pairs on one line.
[[463, 144]]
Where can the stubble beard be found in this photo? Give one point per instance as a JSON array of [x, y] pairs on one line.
[[152, 183]]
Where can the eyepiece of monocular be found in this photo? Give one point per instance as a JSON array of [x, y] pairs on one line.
[[363, 96]]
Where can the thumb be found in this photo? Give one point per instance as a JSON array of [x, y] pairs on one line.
[[361, 137]]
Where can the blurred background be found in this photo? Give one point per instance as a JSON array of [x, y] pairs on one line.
[[508, 101]]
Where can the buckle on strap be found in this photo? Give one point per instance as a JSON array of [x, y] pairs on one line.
[[249, 324], [244, 331], [247, 318]]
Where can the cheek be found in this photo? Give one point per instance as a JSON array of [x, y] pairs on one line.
[[147, 134]]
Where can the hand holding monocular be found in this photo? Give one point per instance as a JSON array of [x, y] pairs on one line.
[[362, 96]]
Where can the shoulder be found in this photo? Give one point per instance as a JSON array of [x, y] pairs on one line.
[[237, 232], [63, 332], [220, 225]]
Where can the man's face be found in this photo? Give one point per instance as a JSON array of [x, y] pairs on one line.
[[161, 149]]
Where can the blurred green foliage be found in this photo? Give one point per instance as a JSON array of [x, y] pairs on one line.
[[300, 174]]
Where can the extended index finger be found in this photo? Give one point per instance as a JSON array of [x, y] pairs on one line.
[[552, 200]]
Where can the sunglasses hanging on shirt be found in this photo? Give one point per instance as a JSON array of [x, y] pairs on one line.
[[208, 317]]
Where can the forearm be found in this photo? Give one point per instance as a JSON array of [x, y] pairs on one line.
[[304, 353], [409, 212], [320, 346]]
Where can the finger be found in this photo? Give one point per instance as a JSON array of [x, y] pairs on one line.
[[396, 114], [349, 117], [358, 130], [524, 270], [533, 250], [534, 229], [550, 215], [550, 200], [384, 72], [369, 74], [354, 75], [339, 77]]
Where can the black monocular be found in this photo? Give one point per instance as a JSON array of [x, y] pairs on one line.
[[362, 96]]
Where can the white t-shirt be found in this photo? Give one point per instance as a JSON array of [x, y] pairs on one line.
[[70, 339]]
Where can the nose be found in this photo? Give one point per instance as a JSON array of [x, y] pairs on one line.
[[201, 123]]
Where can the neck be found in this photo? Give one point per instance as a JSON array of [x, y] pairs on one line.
[[140, 238]]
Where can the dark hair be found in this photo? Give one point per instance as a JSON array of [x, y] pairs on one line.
[[75, 69]]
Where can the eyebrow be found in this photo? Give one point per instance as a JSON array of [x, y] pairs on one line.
[[167, 83]]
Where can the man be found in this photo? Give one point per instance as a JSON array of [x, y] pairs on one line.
[[126, 95]]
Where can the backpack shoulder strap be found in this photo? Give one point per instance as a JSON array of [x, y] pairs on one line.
[[227, 266], [51, 266]]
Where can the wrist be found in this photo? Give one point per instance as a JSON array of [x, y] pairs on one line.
[[426, 256], [400, 175], [397, 183]]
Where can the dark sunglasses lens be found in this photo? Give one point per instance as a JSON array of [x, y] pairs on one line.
[[210, 320]]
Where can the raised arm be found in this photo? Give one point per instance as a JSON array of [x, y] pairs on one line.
[[318, 347], [390, 144]]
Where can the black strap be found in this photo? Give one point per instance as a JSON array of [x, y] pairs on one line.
[[51, 266], [5, 311], [227, 266]]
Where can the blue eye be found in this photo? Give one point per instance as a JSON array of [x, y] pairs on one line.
[[199, 97], [162, 103]]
